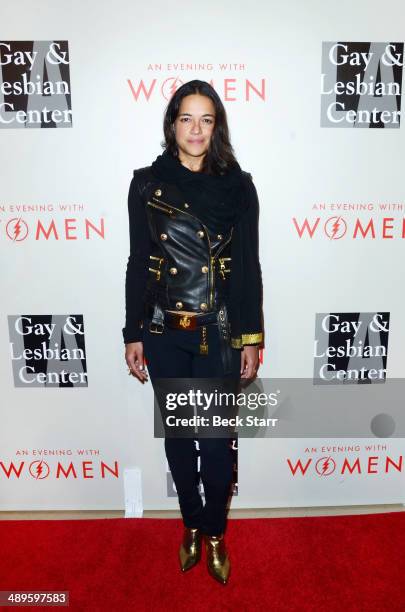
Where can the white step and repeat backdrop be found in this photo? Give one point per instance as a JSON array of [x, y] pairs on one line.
[[313, 92]]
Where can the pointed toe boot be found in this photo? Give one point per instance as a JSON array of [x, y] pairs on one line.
[[218, 563], [190, 548]]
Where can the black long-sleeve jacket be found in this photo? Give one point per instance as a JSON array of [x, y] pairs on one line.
[[176, 261]]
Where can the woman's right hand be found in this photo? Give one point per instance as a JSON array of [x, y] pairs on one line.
[[135, 360]]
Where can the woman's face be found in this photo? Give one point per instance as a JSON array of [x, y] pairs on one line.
[[194, 125]]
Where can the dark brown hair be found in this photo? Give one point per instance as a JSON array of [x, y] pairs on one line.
[[220, 155]]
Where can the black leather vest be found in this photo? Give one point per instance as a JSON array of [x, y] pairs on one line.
[[189, 266]]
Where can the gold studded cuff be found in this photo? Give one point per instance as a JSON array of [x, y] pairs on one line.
[[256, 338]]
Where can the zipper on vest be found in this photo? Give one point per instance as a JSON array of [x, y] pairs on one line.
[[224, 244], [168, 211], [212, 281], [213, 265]]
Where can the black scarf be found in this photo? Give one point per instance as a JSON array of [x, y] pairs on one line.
[[220, 203], [216, 200]]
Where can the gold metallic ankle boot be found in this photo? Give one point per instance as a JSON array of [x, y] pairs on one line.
[[190, 548], [218, 563]]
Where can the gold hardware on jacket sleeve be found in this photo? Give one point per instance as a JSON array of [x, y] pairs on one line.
[[252, 338], [256, 338]]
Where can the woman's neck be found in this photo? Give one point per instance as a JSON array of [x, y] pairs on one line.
[[191, 163]]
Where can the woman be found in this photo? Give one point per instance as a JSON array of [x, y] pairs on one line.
[[194, 293]]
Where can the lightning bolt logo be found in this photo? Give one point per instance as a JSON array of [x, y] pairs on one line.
[[325, 466], [17, 229], [170, 86], [335, 228], [39, 469]]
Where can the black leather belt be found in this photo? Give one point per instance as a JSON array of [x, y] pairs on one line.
[[176, 320]]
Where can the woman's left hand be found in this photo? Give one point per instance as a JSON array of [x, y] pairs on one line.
[[249, 361]]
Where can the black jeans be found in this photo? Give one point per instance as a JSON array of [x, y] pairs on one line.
[[176, 354]]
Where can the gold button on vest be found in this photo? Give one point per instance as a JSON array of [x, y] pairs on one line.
[[158, 192], [203, 306], [200, 234], [163, 236], [173, 270], [179, 305], [204, 269]]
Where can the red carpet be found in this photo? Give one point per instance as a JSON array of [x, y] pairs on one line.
[[319, 564]]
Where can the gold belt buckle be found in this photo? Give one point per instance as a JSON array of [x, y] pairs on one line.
[[185, 321]]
